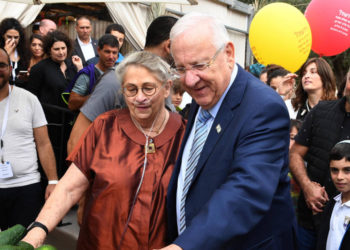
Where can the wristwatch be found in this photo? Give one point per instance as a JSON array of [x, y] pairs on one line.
[[38, 224]]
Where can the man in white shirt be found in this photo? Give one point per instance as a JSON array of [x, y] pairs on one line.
[[23, 136], [84, 46]]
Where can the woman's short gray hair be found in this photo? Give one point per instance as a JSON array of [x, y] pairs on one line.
[[153, 63]]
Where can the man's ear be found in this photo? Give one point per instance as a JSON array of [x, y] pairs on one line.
[[166, 46], [230, 53]]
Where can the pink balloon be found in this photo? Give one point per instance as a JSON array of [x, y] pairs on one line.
[[330, 26]]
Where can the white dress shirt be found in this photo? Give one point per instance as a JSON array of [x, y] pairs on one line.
[[339, 220], [213, 112], [87, 49]]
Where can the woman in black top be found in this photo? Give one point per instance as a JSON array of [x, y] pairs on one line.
[[50, 77], [12, 39], [47, 80]]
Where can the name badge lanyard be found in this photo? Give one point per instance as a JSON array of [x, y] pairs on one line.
[[15, 66], [4, 124]]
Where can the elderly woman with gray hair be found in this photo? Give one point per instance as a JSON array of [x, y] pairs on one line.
[[123, 164]]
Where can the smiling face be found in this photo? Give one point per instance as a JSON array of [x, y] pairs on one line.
[[58, 52], [340, 174], [311, 80], [208, 85], [36, 47], [144, 108]]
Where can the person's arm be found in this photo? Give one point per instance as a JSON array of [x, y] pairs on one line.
[[76, 101], [46, 156], [66, 194], [80, 125], [315, 195]]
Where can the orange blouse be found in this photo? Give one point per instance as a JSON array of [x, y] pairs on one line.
[[111, 156]]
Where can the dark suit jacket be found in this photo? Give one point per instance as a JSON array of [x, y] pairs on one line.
[[77, 50], [322, 235], [240, 193]]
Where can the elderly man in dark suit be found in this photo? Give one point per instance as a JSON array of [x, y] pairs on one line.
[[84, 46], [230, 186]]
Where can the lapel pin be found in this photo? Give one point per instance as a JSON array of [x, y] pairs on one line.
[[218, 128]]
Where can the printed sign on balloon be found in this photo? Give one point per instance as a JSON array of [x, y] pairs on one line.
[[280, 34], [330, 26]]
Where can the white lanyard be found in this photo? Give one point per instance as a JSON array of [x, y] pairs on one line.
[[15, 66], [4, 123]]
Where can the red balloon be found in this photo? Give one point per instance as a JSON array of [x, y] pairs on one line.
[[330, 26]]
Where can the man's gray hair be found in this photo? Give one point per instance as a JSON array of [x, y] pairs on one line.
[[153, 63], [192, 20]]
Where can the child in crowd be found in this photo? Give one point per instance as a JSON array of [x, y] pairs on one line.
[[176, 95], [334, 231]]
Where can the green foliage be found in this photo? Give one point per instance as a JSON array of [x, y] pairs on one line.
[[10, 240], [46, 247], [12, 235]]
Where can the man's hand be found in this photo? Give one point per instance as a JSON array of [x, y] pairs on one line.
[[49, 190], [315, 197], [171, 247]]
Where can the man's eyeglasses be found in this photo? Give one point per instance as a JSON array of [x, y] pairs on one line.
[[181, 71], [3, 66], [147, 89]]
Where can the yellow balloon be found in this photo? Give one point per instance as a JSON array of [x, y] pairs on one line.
[[280, 34]]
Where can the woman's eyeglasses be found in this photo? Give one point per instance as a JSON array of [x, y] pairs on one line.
[[148, 89]]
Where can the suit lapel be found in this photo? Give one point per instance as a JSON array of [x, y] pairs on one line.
[[227, 112], [79, 51], [94, 45]]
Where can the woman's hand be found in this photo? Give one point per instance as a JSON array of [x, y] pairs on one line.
[[78, 63], [10, 46]]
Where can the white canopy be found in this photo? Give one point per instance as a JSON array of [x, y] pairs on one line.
[[104, 1], [125, 12]]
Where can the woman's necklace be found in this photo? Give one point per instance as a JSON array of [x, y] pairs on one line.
[[149, 145], [157, 132]]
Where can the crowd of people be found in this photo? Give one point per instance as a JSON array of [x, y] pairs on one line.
[[218, 174], [319, 114]]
